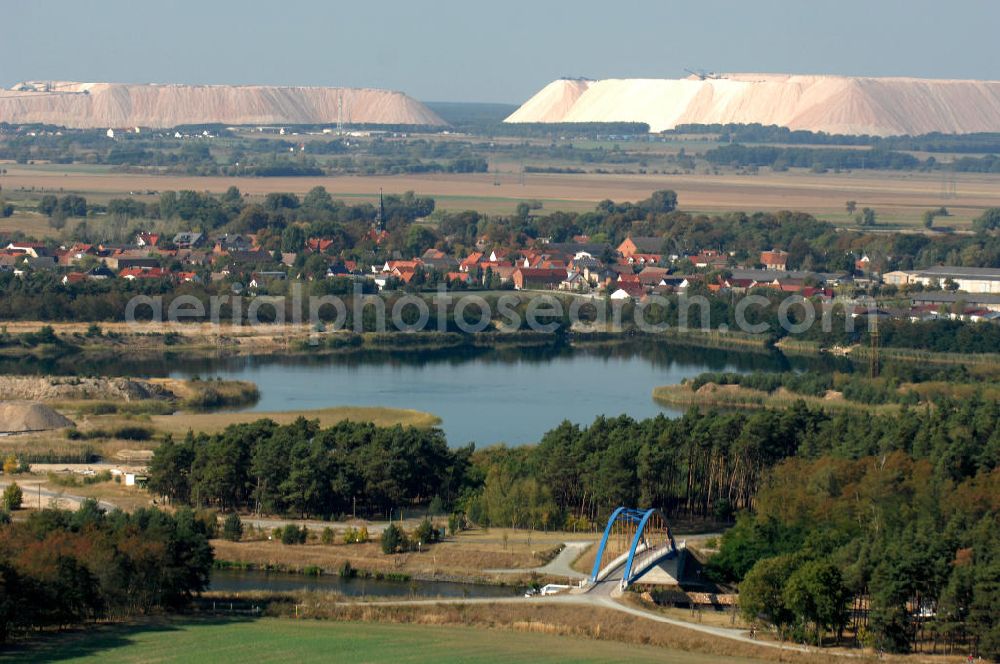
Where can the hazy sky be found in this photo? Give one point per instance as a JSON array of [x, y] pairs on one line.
[[453, 50]]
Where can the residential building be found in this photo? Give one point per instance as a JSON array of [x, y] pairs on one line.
[[133, 273], [640, 245], [776, 259], [33, 249], [188, 239], [538, 278]]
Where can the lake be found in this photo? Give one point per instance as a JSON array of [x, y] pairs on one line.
[[482, 395], [510, 395]]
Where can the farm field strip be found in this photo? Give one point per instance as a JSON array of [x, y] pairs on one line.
[[911, 193]]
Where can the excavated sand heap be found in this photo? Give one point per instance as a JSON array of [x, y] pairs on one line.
[[23, 416], [832, 104], [99, 105]]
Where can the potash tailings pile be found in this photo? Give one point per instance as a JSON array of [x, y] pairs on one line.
[[831, 104], [101, 105]]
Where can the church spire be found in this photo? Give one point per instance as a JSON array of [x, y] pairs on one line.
[[380, 213]]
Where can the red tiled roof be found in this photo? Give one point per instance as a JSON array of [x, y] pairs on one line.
[[144, 273], [774, 257], [404, 265], [318, 244], [635, 289]]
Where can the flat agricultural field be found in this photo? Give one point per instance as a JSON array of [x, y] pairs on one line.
[[280, 640], [899, 198]]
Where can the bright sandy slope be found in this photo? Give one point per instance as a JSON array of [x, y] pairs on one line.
[[88, 105], [833, 104]]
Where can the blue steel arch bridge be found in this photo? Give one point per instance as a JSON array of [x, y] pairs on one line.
[[634, 542]]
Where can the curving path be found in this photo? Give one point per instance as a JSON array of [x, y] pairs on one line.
[[605, 594], [561, 565]]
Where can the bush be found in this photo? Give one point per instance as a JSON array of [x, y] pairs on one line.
[[425, 533], [232, 528], [327, 536], [12, 497], [356, 535], [62, 480], [98, 478], [292, 534], [394, 539], [133, 433], [10, 465]]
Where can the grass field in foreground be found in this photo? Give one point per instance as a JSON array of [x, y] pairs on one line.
[[182, 422], [276, 640]]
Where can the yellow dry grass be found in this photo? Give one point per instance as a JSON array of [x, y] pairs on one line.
[[28, 223], [466, 555], [585, 563], [450, 558], [705, 615], [181, 423], [735, 396], [128, 498]]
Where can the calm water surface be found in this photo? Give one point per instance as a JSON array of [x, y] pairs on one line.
[[486, 395]]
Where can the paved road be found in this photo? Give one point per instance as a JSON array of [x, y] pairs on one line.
[[561, 565]]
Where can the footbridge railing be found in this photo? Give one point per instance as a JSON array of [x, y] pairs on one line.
[[633, 538]]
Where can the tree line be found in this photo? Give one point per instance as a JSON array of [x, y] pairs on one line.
[[898, 514], [709, 463], [783, 158], [304, 470], [61, 568], [901, 550]]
